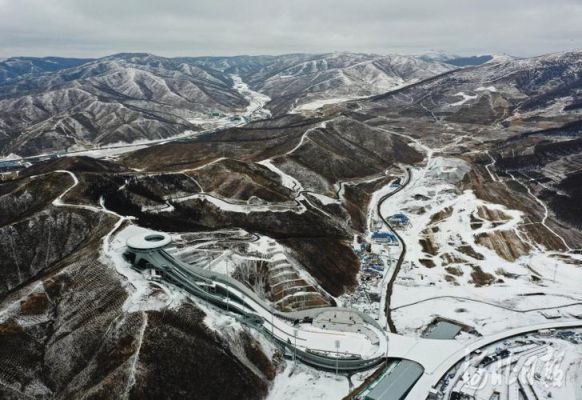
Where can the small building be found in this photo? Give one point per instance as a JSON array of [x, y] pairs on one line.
[[398, 219], [385, 237], [152, 274]]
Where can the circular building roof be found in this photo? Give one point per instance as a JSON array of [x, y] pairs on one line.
[[149, 241]]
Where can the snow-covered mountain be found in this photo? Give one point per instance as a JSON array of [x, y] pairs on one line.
[[122, 98], [57, 104], [301, 81], [452, 197], [49, 105], [460, 61], [497, 91], [14, 68]]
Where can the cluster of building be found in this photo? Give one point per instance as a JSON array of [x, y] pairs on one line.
[[15, 165], [574, 337], [217, 114], [522, 368], [375, 260]]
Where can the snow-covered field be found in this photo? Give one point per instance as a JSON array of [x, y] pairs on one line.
[[316, 104], [301, 382], [142, 295], [444, 278]]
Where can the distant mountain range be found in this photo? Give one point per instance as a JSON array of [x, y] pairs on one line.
[[464, 61], [13, 68], [54, 104], [499, 92]]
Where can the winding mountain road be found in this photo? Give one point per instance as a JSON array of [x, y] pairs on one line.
[[390, 286]]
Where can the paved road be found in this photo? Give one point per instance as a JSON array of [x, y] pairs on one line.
[[390, 286], [575, 303]]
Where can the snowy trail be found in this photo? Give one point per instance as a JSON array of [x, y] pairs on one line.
[[244, 208], [304, 137], [489, 166], [286, 180], [58, 202], [294, 185], [546, 211], [430, 111], [132, 371]]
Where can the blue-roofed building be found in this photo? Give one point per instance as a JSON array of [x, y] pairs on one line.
[[398, 219], [384, 237], [10, 165]]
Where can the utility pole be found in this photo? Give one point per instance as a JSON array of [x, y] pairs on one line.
[[387, 344], [295, 347], [337, 346], [227, 298]]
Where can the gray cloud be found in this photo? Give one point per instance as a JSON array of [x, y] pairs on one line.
[[229, 27]]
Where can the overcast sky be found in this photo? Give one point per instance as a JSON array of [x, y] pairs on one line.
[[91, 28]]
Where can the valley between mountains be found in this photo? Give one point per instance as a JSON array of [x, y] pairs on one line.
[[413, 191]]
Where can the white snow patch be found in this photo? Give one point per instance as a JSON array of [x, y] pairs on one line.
[[286, 180], [325, 200], [11, 157], [316, 104], [302, 382], [486, 89], [465, 97]]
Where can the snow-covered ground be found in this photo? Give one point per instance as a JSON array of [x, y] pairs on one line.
[[301, 382], [257, 101], [491, 89], [116, 149], [316, 104], [142, 295], [465, 98], [11, 157], [446, 284], [242, 207], [286, 180], [439, 280]]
